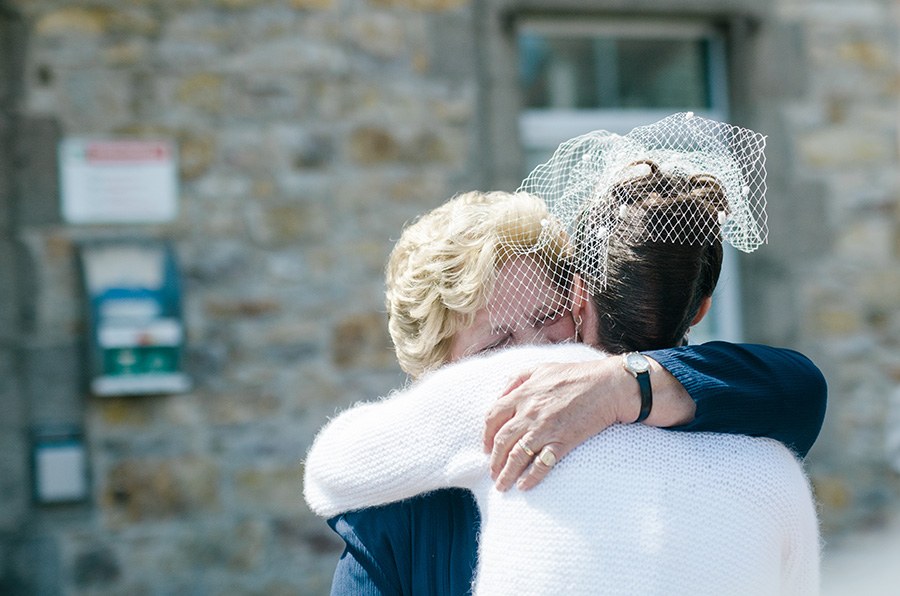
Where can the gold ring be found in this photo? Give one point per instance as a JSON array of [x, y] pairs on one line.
[[547, 457], [525, 448]]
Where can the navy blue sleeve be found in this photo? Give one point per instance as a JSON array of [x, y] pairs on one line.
[[422, 546], [368, 567], [352, 577], [752, 390]]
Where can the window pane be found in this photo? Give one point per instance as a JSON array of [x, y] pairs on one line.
[[597, 72]]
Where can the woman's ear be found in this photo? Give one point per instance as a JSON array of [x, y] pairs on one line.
[[584, 312], [704, 308], [578, 296]]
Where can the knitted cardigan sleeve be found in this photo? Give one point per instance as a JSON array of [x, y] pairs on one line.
[[425, 437]]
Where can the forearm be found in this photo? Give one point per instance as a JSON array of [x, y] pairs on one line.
[[559, 405], [718, 387], [360, 459], [672, 404], [420, 439], [750, 389]]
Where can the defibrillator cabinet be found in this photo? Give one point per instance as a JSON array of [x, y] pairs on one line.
[[136, 332]]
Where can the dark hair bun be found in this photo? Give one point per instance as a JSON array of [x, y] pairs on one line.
[[670, 208]]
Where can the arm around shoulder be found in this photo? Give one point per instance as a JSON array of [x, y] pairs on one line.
[[751, 389], [417, 440]]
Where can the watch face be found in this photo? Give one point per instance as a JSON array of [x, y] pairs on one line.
[[637, 362]]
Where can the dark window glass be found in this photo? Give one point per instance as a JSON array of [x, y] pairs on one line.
[[558, 72]]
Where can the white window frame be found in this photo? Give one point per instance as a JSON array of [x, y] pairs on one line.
[[542, 130]]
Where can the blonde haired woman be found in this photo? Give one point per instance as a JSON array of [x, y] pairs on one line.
[[436, 278]]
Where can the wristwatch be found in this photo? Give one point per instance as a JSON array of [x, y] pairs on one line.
[[638, 365]]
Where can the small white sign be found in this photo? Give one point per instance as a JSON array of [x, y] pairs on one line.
[[118, 180], [61, 473], [116, 385]]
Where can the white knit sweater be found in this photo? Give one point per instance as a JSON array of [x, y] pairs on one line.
[[635, 510]]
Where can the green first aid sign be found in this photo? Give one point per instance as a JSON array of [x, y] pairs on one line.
[[140, 360]]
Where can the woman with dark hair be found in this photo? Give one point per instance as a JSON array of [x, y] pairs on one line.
[[634, 509], [655, 288]]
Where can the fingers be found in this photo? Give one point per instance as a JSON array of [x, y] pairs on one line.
[[502, 449], [548, 457], [529, 471], [501, 412], [516, 463], [506, 442], [516, 380]]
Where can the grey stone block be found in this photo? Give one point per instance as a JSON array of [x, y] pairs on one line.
[[9, 312], [54, 382], [15, 486], [453, 47], [37, 172], [96, 567]]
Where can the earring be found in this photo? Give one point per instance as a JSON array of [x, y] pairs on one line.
[[577, 328]]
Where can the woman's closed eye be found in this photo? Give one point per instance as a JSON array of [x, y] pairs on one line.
[[500, 343]]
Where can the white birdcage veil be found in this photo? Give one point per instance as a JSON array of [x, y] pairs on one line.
[[586, 188]]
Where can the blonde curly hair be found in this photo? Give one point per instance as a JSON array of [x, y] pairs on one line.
[[442, 269]]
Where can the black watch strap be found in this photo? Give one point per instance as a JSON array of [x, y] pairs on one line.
[[643, 379]]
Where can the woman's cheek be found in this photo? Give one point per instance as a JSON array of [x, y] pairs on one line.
[[561, 330]]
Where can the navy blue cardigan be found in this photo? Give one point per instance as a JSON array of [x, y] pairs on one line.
[[427, 545]]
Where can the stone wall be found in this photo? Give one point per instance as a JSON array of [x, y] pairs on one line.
[[829, 281], [309, 131], [14, 478]]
